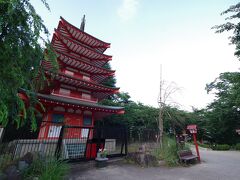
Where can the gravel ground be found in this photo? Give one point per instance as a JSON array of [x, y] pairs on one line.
[[215, 165]]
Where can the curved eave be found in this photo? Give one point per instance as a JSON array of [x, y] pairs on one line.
[[82, 49], [95, 77], [73, 34], [61, 29], [59, 46], [79, 83], [84, 37], [81, 65], [77, 104]]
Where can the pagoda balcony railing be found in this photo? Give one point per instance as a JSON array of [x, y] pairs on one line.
[[89, 99], [80, 97], [78, 76]]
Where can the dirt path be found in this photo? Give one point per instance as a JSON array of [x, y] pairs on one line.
[[216, 165]]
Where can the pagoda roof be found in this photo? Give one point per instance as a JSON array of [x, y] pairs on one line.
[[98, 90], [74, 103], [59, 46], [82, 36], [98, 74], [80, 49]]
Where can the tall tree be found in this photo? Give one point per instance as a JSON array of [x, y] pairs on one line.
[[110, 81], [21, 30], [232, 24], [223, 113], [165, 101]]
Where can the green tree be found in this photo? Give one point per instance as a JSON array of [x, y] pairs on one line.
[[232, 24], [142, 120], [21, 36], [110, 81], [223, 114]]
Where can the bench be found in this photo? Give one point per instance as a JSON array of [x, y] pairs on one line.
[[186, 155]]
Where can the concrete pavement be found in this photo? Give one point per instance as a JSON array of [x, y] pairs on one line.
[[215, 165]]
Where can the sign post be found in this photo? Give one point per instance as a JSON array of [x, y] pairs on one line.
[[193, 130]]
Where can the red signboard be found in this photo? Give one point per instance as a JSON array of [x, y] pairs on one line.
[[192, 126]]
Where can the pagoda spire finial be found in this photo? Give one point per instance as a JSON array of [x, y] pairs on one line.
[[83, 23]]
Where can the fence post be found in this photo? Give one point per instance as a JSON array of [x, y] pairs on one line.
[[59, 143], [125, 138]]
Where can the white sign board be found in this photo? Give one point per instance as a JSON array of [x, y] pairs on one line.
[[54, 131], [1, 132], [238, 131], [85, 133]]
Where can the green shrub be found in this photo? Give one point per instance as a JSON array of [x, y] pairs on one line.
[[204, 145], [133, 147], [237, 147], [5, 160], [45, 169], [221, 147], [168, 152]]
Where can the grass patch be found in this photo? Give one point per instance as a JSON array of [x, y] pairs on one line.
[[204, 145], [168, 152], [47, 169]]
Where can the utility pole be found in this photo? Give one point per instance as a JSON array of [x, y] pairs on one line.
[[161, 106]]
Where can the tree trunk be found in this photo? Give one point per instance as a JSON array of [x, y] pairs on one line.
[[160, 127]]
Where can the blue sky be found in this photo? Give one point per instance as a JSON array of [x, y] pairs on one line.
[[146, 33]]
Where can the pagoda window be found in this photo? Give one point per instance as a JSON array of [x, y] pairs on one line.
[[54, 129], [86, 78], [86, 96], [64, 91], [57, 118], [87, 118], [70, 73]]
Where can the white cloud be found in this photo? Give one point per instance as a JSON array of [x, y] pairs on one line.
[[128, 9]]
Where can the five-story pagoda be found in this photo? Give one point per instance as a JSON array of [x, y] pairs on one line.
[[74, 92]]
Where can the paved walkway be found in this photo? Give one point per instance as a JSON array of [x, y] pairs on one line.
[[216, 165]]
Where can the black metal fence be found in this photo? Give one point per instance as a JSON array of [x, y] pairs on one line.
[[83, 143], [66, 142], [142, 135]]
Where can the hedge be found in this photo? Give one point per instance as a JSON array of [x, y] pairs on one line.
[[237, 147], [221, 147]]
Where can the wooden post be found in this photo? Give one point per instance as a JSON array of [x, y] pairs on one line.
[[59, 143], [196, 145], [193, 130]]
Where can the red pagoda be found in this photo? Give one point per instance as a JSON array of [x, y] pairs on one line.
[[74, 92]]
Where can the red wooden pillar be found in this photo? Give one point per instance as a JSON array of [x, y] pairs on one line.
[[196, 145]]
